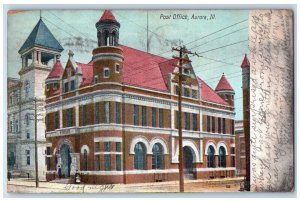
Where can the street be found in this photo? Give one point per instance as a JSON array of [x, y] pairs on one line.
[[216, 185]]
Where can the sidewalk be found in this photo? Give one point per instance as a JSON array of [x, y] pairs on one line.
[[22, 185]]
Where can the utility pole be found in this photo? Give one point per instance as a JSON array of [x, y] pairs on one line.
[[181, 50], [35, 144]]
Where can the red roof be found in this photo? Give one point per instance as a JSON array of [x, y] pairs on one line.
[[223, 84], [142, 69], [245, 62], [107, 15], [145, 70], [207, 93], [56, 71]]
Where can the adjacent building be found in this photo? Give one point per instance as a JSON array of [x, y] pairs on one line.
[[39, 52], [115, 119], [240, 151]]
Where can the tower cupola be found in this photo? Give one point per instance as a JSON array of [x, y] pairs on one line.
[[108, 56], [108, 30], [225, 90]]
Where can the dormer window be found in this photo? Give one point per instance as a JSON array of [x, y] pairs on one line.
[[55, 85], [186, 92], [106, 72], [72, 85], [117, 68], [186, 71], [66, 87], [194, 93], [96, 79]]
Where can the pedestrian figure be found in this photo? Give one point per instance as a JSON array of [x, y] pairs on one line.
[[59, 171], [8, 175]]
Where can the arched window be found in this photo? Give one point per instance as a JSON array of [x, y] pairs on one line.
[[157, 157], [114, 39], [210, 157], [85, 160], [222, 157], [27, 119], [106, 38], [140, 156]]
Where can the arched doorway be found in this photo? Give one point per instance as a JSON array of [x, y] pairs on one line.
[[188, 160], [65, 160]]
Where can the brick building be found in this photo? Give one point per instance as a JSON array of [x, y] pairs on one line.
[[240, 152], [115, 118]]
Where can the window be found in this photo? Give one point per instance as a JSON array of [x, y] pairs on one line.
[[69, 117], [210, 157], [224, 126], [177, 119], [97, 162], [96, 79], [186, 121], [84, 115], [56, 120], [219, 125], [135, 115], [96, 113], [28, 157], [153, 117], [85, 160], [117, 68], [72, 85], [17, 126], [161, 118], [118, 162], [232, 127], [140, 156], [208, 123], [157, 156], [97, 147], [18, 96], [118, 112], [232, 150], [11, 99], [213, 124], [48, 151], [106, 72], [28, 135], [118, 146], [106, 112], [222, 157], [66, 87], [27, 119], [11, 126], [55, 85], [194, 93], [107, 162], [144, 120], [186, 92], [177, 90], [233, 161], [106, 147], [27, 86], [194, 122]]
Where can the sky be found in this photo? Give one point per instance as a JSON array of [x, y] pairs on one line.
[[218, 36]]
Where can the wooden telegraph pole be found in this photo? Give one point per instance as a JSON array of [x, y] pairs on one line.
[[181, 50]]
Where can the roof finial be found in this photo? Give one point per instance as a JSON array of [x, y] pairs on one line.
[[71, 54], [40, 14]]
